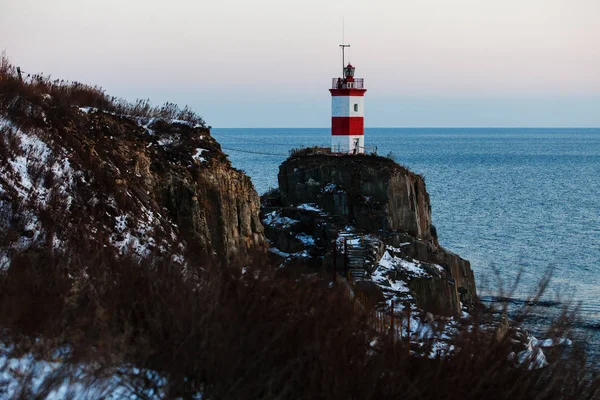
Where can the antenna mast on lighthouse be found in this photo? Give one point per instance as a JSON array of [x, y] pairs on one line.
[[343, 46]]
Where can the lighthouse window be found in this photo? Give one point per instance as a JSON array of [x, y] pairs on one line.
[[356, 108]]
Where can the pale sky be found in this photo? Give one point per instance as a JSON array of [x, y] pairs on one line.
[[269, 63]]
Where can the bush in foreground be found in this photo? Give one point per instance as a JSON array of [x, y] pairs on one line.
[[122, 326]]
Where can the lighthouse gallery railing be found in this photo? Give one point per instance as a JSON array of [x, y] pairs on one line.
[[359, 83]]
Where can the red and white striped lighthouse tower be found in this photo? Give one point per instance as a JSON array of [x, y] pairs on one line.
[[347, 113]]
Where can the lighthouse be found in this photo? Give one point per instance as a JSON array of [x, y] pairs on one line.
[[347, 113]]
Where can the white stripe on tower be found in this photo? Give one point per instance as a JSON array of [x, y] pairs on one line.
[[347, 106]]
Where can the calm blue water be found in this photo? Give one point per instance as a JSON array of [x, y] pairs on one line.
[[505, 199]]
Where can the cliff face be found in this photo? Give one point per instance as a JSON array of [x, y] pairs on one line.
[[445, 292], [218, 209], [380, 215], [149, 186], [374, 192]]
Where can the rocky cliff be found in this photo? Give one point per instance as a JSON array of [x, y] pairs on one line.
[[375, 193], [75, 167], [379, 216]]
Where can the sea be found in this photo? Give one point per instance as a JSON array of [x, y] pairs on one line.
[[520, 204]]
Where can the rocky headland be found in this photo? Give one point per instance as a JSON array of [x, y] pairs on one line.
[[370, 218]]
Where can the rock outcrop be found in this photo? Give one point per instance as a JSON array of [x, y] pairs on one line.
[[151, 186], [374, 192], [381, 213]]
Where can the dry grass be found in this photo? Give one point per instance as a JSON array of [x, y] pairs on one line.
[[24, 99], [241, 336]]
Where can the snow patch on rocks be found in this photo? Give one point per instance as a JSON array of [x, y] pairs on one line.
[[197, 156], [413, 269], [332, 188], [553, 342], [310, 207], [533, 357], [306, 240], [277, 221]]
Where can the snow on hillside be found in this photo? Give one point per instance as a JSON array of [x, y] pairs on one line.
[[37, 175], [80, 381], [23, 179]]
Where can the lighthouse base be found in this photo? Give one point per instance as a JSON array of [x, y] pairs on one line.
[[353, 144]]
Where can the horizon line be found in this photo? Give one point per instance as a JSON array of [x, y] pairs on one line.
[[411, 127]]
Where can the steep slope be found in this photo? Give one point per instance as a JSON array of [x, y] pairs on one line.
[[75, 167]]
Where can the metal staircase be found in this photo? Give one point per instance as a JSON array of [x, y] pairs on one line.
[[356, 254]]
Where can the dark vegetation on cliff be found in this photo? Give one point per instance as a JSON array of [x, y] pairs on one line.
[[24, 100], [119, 277]]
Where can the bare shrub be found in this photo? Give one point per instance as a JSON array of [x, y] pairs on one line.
[[245, 335], [22, 99], [5, 153], [6, 68]]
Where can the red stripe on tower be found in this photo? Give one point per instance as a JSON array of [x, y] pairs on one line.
[[347, 126], [347, 113]]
